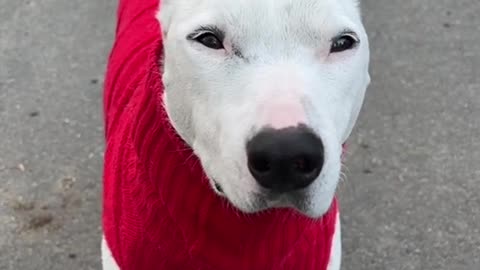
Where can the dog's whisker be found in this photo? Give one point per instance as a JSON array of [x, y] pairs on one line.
[[181, 150], [345, 173], [344, 167]]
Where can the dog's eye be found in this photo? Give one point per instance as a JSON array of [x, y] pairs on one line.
[[210, 40], [343, 42]]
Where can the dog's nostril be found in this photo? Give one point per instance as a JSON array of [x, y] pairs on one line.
[[304, 165], [259, 164]]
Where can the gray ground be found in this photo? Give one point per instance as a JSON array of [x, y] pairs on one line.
[[411, 200]]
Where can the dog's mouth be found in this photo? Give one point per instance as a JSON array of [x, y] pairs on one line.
[[266, 200], [218, 188]]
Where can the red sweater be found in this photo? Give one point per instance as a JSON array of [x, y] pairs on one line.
[[159, 212]]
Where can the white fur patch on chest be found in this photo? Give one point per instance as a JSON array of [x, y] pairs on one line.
[[336, 251]]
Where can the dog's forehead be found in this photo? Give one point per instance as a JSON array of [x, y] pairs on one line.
[[276, 25], [271, 6], [255, 18], [274, 10]]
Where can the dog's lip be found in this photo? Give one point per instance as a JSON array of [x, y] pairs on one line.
[[217, 187]]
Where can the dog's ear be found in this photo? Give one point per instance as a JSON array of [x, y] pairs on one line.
[[164, 15]]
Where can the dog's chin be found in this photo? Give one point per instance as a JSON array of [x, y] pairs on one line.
[[257, 203]]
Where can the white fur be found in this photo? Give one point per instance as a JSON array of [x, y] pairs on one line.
[[108, 262], [336, 251]]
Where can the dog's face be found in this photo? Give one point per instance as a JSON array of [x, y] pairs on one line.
[[266, 92]]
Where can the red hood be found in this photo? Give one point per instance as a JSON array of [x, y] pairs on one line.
[[159, 210]]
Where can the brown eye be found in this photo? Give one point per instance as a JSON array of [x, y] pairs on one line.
[[210, 40], [343, 43]]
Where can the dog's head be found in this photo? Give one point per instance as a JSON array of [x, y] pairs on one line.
[[266, 92]]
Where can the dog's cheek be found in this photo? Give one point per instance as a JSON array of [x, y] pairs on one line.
[[179, 112]]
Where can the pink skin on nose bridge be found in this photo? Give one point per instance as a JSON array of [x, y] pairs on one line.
[[281, 98], [283, 114]]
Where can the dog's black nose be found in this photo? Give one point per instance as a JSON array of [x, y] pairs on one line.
[[286, 159]]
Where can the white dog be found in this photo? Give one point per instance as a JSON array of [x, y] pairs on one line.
[[265, 92]]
